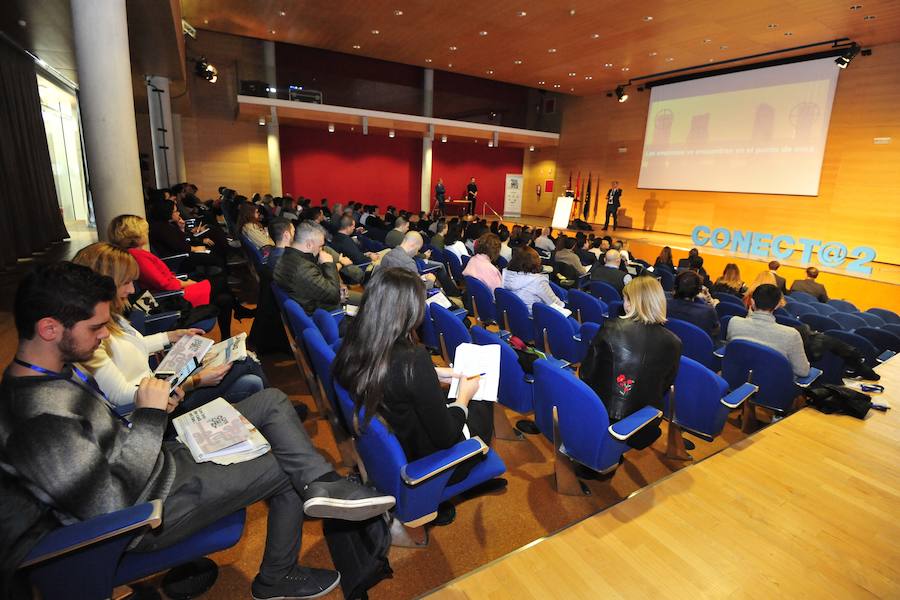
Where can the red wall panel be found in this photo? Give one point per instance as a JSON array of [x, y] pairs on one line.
[[456, 162], [343, 167]]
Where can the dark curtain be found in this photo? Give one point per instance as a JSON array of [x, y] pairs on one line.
[[30, 218]]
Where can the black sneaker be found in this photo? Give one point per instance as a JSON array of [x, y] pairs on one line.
[[344, 499], [301, 582]]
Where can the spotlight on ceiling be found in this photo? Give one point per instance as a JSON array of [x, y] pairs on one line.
[[205, 70], [331, 128], [620, 94], [391, 133], [844, 59], [443, 139], [531, 148]]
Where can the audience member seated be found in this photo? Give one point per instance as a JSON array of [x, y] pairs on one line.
[[439, 228], [810, 285], [542, 240], [566, 254], [481, 266], [168, 237], [633, 360], [403, 257], [695, 263], [780, 281], [78, 459], [525, 278], [388, 375], [583, 249], [395, 235], [506, 250], [762, 278], [250, 226], [342, 241], [760, 327], [622, 247], [688, 304], [610, 271], [281, 231], [664, 259], [121, 361], [730, 282], [452, 241], [130, 232]]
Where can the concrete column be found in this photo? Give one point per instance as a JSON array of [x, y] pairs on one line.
[[428, 140], [269, 62], [428, 96], [177, 142], [274, 154], [107, 109], [162, 131]]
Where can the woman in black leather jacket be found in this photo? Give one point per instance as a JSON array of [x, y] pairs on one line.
[[633, 360]]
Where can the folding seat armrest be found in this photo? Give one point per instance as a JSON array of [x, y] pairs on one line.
[[737, 396], [181, 256], [168, 294], [813, 374], [155, 318], [424, 469], [529, 378], [84, 533], [504, 334], [624, 429], [460, 313], [720, 351], [886, 355], [424, 269], [363, 264], [557, 362], [584, 281], [181, 276]]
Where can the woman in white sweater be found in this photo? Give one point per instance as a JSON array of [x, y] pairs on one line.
[[121, 361]]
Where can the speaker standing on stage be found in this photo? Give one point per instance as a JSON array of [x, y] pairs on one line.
[[440, 194], [471, 194], [613, 200]]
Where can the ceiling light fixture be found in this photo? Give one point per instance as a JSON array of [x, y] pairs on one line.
[[869, 18], [428, 60], [205, 70], [572, 12], [723, 47], [626, 68], [490, 71], [587, 77], [517, 61], [281, 13], [856, 7], [262, 121], [595, 36], [707, 40], [551, 50], [375, 32], [398, 13], [443, 139], [331, 128], [607, 65], [653, 53], [647, 19], [571, 73], [541, 82], [391, 133], [453, 48], [521, 13], [670, 59], [788, 33], [844, 59], [482, 33], [205, 21], [531, 148], [450, 65], [272, 32], [772, 25], [620, 94], [356, 46], [490, 143], [556, 85]]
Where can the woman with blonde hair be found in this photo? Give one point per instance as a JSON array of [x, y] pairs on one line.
[[633, 360], [764, 277], [130, 232], [121, 361], [730, 282]]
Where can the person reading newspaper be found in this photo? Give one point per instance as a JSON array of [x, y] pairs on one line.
[[64, 447]]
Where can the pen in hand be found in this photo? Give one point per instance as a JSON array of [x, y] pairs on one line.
[[470, 377]]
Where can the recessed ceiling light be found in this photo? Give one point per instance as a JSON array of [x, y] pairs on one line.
[[453, 48], [551, 50], [772, 25], [490, 143], [482, 33], [707, 40], [531, 148], [490, 71], [521, 13], [541, 82], [571, 73], [788, 33], [262, 121], [375, 32], [281, 13], [443, 139], [572, 13], [647, 19], [711, 60], [571, 89], [398, 13], [869, 18], [450, 66], [556, 85], [670, 59], [206, 21], [595, 36], [391, 133], [272, 32], [856, 7], [723, 47], [428, 60], [588, 77], [517, 62], [607, 65], [331, 128], [653, 54], [626, 68], [356, 46]]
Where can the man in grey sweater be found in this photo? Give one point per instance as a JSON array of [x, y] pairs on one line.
[[64, 444], [760, 327]]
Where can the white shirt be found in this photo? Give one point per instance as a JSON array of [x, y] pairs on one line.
[[506, 251], [458, 248], [544, 243]]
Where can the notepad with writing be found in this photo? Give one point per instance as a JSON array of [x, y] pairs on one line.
[[472, 359]]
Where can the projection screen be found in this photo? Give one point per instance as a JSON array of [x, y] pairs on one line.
[[757, 131]]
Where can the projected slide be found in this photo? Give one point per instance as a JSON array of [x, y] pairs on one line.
[[758, 131]]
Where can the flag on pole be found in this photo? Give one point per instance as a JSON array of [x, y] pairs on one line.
[[587, 197], [569, 187], [597, 198]]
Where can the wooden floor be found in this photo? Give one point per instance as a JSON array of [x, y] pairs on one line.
[[806, 508]]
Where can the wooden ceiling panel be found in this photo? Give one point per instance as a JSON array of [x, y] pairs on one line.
[[600, 32]]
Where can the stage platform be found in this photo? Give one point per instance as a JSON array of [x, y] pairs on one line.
[[880, 289]]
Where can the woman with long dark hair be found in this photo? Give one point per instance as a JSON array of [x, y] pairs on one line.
[[391, 376]]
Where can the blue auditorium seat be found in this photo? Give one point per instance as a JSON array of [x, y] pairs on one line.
[[586, 308], [481, 300], [513, 314], [695, 343]]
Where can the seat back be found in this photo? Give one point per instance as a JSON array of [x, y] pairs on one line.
[[820, 322], [561, 292], [892, 327], [771, 371], [559, 334], [698, 399], [825, 309], [780, 312], [464, 261], [889, 316], [481, 300], [586, 308], [870, 319], [867, 348], [501, 263], [666, 279], [723, 326], [729, 298], [298, 320], [280, 296], [800, 308], [881, 339], [450, 329], [803, 297], [849, 321], [454, 265], [843, 305], [326, 324], [513, 315], [583, 420], [789, 320], [321, 355], [695, 343], [604, 291], [734, 310], [515, 391]]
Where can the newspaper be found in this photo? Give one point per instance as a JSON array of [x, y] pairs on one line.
[[184, 357], [229, 351], [217, 432]]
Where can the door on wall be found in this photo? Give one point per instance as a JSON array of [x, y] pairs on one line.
[[59, 108]]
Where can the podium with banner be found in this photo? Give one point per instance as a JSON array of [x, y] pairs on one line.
[[512, 197]]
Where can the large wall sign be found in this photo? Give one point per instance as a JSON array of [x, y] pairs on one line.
[[781, 247], [512, 199]]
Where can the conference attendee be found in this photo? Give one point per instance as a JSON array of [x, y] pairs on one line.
[[613, 201], [582, 249], [471, 195], [760, 327], [810, 285], [403, 257], [324, 206], [440, 228], [780, 281], [453, 241], [375, 221], [440, 195], [121, 361], [342, 241], [308, 274], [168, 237], [395, 235], [633, 360], [665, 259], [695, 263], [505, 250], [281, 231], [762, 278], [730, 282], [66, 452], [250, 226], [543, 241], [688, 304], [566, 255], [622, 247], [610, 272], [599, 248], [130, 232], [389, 375], [481, 265], [525, 278]]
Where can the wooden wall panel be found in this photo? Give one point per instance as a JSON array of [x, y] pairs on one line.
[[859, 193], [538, 167]]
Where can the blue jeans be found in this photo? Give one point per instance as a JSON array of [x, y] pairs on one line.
[[243, 380]]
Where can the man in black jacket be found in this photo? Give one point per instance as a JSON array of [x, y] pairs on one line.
[[613, 201], [64, 443], [609, 271]]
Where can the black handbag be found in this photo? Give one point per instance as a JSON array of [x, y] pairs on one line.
[[830, 399], [359, 551]]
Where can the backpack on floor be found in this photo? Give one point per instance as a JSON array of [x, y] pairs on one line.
[[359, 551]]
